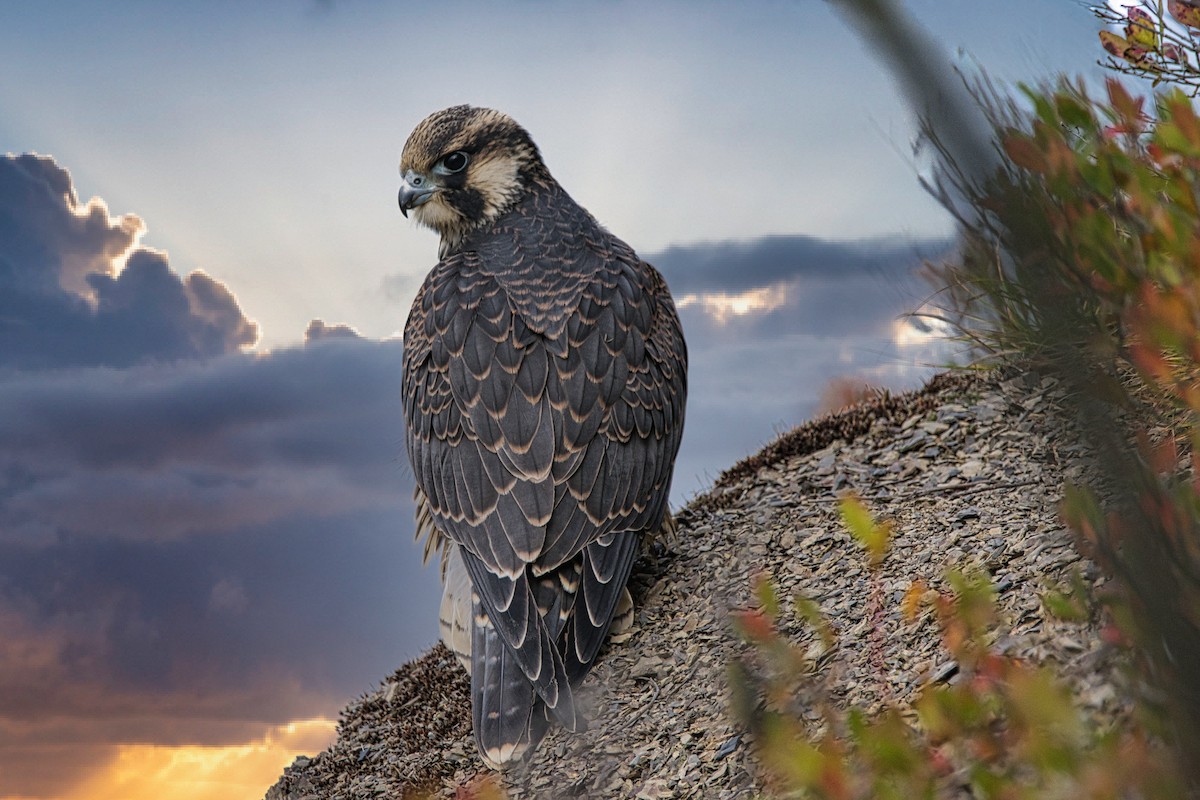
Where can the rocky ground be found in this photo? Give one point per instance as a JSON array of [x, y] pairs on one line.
[[970, 469]]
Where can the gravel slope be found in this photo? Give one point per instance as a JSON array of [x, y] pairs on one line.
[[970, 469]]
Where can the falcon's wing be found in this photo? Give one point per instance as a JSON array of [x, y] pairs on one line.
[[532, 445], [638, 438], [482, 441]]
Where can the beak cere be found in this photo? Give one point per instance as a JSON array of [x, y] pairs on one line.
[[415, 189]]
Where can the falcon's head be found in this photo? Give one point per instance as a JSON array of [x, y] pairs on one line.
[[464, 166]]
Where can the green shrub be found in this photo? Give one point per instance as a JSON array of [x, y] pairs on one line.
[[1003, 729]]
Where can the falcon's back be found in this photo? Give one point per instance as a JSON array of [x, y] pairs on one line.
[[544, 389]]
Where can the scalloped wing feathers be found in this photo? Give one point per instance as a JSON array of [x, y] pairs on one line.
[[544, 386]]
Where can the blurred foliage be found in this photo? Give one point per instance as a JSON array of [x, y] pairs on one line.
[[1000, 728], [1087, 260], [1080, 257]]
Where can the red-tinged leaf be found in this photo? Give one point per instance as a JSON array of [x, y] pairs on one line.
[[986, 750], [941, 764], [1184, 123], [1191, 396], [834, 782], [1150, 361], [1112, 635], [993, 667], [481, 787], [1123, 48], [1114, 132], [1025, 154], [1128, 107], [1115, 527], [1173, 52], [1114, 44], [954, 634], [980, 685], [1135, 14], [1140, 57], [755, 626], [1185, 11]]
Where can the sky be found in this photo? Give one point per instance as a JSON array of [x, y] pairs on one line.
[[205, 506]]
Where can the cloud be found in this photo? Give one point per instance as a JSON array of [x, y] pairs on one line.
[[734, 267], [187, 551], [318, 330], [779, 286], [770, 322], [49, 239], [195, 541], [156, 452], [75, 290], [187, 544]]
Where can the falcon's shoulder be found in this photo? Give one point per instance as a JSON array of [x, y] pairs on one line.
[[440, 313]]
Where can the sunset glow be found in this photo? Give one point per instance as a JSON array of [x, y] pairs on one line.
[[235, 772], [919, 331], [722, 306]]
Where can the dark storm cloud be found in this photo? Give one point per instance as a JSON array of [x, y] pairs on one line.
[[144, 634], [820, 310], [189, 550], [157, 451], [62, 301], [738, 266], [226, 530], [194, 540], [803, 286]]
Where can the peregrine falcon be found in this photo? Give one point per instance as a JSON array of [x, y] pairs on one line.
[[544, 388]]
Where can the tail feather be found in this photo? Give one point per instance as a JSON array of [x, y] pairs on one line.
[[605, 571], [508, 716], [512, 611]]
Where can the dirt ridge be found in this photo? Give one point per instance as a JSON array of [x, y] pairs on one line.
[[970, 470]]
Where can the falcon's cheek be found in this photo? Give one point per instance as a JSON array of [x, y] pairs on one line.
[[436, 214]]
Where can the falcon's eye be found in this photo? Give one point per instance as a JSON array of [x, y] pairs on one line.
[[455, 162]]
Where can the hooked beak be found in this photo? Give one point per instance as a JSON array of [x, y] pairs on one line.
[[415, 189]]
